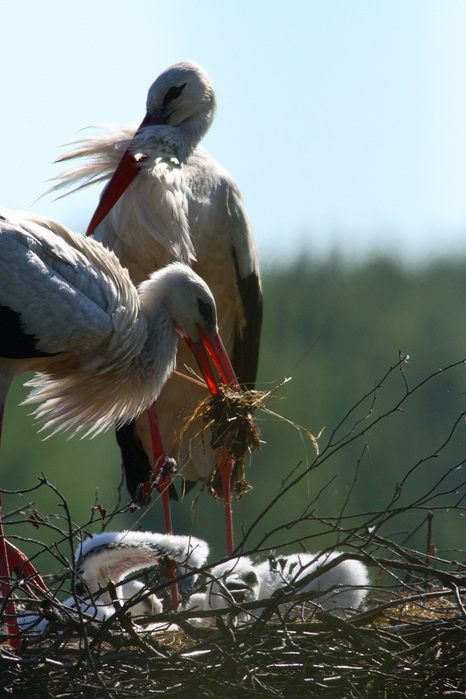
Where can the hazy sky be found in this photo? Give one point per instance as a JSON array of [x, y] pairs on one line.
[[343, 121]]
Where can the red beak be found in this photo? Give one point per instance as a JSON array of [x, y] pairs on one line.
[[127, 169], [211, 345], [215, 347]]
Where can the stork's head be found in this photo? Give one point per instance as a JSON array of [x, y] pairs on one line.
[[182, 94], [189, 301], [182, 97], [190, 306], [234, 582]]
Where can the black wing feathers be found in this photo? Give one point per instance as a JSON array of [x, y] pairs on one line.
[[246, 346], [15, 342], [136, 463]]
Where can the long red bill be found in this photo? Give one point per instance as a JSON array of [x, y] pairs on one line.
[[202, 358], [126, 171], [215, 347], [20, 563], [211, 345], [6, 590]]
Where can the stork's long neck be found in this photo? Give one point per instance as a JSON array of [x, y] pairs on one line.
[[191, 132], [158, 355], [181, 139]]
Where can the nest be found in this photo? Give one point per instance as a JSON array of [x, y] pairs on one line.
[[319, 655], [407, 643]]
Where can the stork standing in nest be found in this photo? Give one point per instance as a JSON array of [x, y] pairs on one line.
[[168, 199], [104, 349]]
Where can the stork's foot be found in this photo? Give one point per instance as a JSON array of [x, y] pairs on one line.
[[166, 471], [142, 495]]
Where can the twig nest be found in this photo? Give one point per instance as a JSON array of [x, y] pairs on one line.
[[417, 611]]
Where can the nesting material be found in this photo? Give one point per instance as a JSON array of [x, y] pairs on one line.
[[417, 611], [229, 417], [325, 657]]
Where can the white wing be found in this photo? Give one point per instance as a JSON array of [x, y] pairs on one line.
[[55, 289], [115, 555]]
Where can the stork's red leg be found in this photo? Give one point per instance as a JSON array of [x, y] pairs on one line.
[[158, 455], [165, 492], [6, 590], [159, 459], [225, 467]]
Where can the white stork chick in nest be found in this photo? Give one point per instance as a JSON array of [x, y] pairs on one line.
[[229, 584], [111, 557], [167, 199], [104, 349], [342, 586]]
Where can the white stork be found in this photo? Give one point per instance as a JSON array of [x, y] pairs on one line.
[[104, 349], [232, 583], [168, 199], [341, 586], [113, 557]]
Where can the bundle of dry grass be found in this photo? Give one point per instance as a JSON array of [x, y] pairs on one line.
[[229, 417], [229, 414]]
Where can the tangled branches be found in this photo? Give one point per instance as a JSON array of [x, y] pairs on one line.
[[407, 640]]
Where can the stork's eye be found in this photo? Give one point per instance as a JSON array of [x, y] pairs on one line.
[[250, 578], [207, 312], [173, 93]]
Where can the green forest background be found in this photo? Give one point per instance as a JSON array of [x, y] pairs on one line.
[[335, 328]]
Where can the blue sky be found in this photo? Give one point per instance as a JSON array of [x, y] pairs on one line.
[[343, 121]]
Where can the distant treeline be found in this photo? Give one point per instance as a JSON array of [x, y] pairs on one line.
[[335, 329]]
